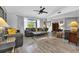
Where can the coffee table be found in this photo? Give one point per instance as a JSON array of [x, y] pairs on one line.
[[37, 34]]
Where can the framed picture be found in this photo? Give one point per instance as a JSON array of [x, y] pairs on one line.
[[2, 13]]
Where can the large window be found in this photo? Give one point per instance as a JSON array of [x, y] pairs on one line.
[[29, 23]]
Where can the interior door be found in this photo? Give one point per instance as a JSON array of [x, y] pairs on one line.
[[55, 26]]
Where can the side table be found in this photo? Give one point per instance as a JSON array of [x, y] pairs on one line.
[[8, 43]]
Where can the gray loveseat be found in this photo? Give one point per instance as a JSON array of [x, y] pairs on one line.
[[19, 40]]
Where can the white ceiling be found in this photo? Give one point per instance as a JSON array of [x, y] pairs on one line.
[[52, 10], [70, 14], [69, 11], [28, 10]]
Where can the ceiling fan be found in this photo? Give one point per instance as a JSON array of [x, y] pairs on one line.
[[41, 10]]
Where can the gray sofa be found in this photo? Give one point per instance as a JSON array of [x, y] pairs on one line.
[[19, 40], [29, 32]]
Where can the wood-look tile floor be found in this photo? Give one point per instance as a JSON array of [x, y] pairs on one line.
[[47, 44]]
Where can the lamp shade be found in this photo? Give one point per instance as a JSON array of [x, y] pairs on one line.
[[74, 24], [3, 23], [74, 29]]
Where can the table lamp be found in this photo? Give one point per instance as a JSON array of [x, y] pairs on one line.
[[74, 26], [3, 25]]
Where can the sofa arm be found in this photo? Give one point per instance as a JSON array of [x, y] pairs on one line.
[[19, 40]]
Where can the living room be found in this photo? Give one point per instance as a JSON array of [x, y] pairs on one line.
[[38, 29]]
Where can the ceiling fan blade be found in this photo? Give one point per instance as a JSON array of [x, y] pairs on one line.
[[45, 12], [43, 9]]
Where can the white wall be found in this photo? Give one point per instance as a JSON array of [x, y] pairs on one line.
[[12, 20], [20, 23], [42, 22]]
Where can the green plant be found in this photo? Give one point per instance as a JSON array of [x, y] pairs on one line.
[[30, 24]]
